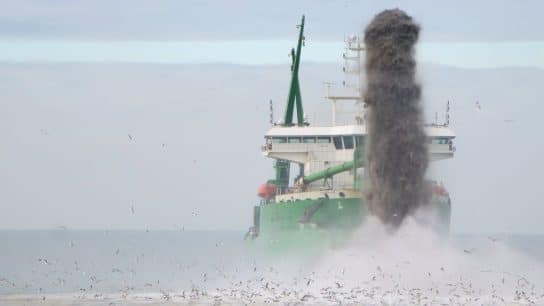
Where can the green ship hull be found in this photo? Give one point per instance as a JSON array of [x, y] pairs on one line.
[[312, 225]]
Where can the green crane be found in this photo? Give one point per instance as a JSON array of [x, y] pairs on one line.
[[294, 97]]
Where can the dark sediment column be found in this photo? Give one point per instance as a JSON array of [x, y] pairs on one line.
[[397, 155]]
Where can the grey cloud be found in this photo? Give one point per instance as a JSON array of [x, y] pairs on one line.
[[244, 19]]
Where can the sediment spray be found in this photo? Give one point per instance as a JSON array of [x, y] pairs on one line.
[[397, 152]]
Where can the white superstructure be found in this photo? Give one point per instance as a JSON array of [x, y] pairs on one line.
[[318, 148]]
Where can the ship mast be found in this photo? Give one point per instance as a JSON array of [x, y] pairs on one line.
[[294, 97], [281, 166], [352, 65]]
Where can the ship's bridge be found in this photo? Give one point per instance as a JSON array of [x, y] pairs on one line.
[[317, 148]]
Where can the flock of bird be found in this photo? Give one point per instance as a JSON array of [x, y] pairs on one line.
[[263, 285], [357, 277]]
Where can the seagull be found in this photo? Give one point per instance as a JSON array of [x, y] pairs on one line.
[[12, 284], [306, 297], [493, 238], [478, 106], [43, 261]]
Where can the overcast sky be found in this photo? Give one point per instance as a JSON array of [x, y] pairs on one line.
[[76, 78], [479, 34], [465, 20]]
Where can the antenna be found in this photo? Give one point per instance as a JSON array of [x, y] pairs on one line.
[[271, 113], [353, 51], [448, 113]]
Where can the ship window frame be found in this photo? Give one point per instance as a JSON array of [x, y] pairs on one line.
[[338, 145], [279, 139], [311, 138], [321, 138], [440, 140], [350, 144], [294, 138]]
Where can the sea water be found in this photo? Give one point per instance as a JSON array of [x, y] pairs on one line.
[[72, 267]]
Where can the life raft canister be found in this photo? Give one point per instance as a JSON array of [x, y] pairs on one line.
[[439, 189], [266, 191]]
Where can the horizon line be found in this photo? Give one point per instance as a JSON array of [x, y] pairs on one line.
[[262, 52]]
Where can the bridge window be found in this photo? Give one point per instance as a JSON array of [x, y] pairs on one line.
[[440, 140], [348, 142], [294, 140], [337, 142], [308, 139], [323, 139], [279, 139]]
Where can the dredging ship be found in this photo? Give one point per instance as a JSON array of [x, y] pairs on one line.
[[326, 201]]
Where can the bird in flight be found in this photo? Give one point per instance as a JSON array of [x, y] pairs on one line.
[[478, 106]]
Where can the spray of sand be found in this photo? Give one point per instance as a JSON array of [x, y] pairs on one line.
[[415, 265], [397, 154]]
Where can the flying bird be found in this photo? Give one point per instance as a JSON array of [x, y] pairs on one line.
[[478, 106], [493, 239], [43, 261]]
